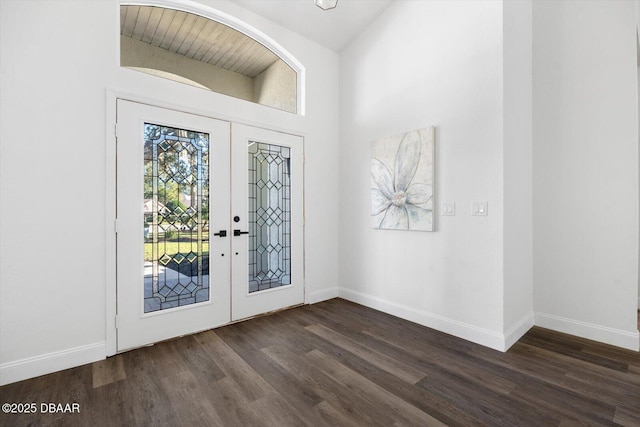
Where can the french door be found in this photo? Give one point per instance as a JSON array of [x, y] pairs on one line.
[[209, 223], [266, 184]]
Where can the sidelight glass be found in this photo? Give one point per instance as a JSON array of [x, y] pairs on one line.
[[269, 216], [176, 217]]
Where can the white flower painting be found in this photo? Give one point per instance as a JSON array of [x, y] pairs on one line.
[[402, 181]]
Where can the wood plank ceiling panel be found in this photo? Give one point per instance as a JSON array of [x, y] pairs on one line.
[[141, 23], [192, 34], [197, 38], [197, 48], [168, 15], [171, 30], [182, 33], [152, 24], [209, 47], [129, 21]]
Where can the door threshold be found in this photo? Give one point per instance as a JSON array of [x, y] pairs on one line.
[[268, 313]]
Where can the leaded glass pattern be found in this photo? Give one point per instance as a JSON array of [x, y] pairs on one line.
[[176, 217], [269, 216]]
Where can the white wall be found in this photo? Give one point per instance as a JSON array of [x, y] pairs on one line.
[[517, 163], [419, 64], [585, 169], [638, 80], [55, 73]]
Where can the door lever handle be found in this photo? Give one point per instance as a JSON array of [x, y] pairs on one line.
[[238, 232], [221, 233]]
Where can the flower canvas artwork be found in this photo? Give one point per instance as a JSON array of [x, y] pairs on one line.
[[402, 175]]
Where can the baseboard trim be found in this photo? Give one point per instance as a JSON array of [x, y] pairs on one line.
[[322, 295], [32, 367], [517, 331], [456, 328], [617, 337]]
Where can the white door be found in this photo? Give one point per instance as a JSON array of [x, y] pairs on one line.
[[180, 269], [268, 221], [172, 272]]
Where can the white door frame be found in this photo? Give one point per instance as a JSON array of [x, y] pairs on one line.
[[112, 95]]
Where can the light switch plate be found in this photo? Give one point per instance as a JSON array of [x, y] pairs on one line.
[[479, 208], [448, 209]]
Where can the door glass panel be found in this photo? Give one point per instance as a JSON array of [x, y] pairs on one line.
[[176, 217], [269, 216]]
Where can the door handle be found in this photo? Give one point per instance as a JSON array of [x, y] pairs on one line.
[[221, 233], [238, 232]]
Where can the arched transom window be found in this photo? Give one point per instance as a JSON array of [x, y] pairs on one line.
[[192, 49]]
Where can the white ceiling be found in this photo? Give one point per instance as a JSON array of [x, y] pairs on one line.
[[333, 28]]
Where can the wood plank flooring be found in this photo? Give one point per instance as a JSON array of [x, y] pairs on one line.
[[340, 364]]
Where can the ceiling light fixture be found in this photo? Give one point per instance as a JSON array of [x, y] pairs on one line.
[[326, 4]]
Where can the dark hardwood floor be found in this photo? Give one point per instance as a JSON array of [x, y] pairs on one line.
[[340, 364]]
